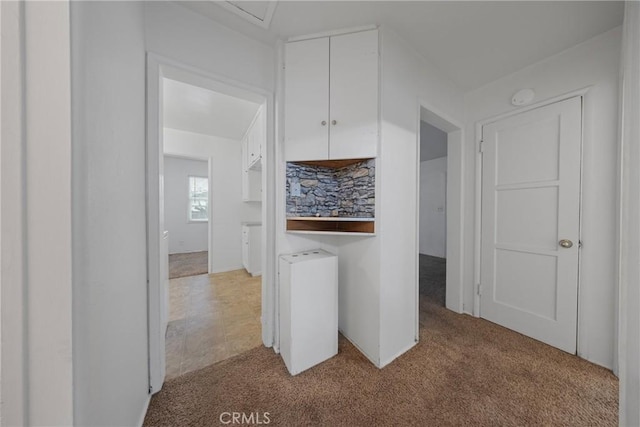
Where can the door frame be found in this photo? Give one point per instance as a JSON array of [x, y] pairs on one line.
[[582, 93], [454, 207], [158, 67]]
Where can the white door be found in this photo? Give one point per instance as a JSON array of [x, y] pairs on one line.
[[354, 95], [307, 100], [530, 222]]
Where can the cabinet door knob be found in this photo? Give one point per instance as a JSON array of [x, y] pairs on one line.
[[333, 122], [323, 123]]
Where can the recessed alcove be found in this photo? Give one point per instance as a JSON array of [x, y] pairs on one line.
[[331, 196]]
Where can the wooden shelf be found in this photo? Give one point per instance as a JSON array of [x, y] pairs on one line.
[[332, 164], [331, 224]]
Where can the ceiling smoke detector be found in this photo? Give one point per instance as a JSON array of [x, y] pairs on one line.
[[523, 97], [258, 13]]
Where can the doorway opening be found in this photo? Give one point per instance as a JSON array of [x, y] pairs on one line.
[[433, 219], [439, 248], [214, 302], [205, 153]]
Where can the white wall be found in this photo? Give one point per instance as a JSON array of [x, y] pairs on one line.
[[184, 235], [37, 377], [111, 376], [433, 217], [12, 218], [228, 210], [433, 142], [594, 63], [191, 39], [629, 273]]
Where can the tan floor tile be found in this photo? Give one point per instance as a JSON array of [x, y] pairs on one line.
[[177, 312], [213, 317], [201, 324], [193, 362], [243, 344], [199, 345], [239, 329]]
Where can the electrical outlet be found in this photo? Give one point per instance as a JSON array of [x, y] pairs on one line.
[[295, 188]]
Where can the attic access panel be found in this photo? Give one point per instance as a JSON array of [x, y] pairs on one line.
[[258, 13]]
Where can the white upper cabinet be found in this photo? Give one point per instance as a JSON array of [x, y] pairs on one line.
[[331, 97], [307, 100], [353, 100], [256, 140]]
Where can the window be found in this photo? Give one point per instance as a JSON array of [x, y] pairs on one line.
[[198, 198]]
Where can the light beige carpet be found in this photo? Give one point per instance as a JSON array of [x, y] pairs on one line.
[[464, 371], [188, 264]]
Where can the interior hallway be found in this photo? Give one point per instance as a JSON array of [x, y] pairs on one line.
[[433, 275], [464, 371], [211, 318]]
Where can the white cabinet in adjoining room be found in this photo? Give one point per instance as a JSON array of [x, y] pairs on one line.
[[331, 97], [251, 178], [251, 248], [255, 139]]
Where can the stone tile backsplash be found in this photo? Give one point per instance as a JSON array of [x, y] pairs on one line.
[[344, 192]]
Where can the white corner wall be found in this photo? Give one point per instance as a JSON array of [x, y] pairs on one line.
[[407, 80], [110, 353], [184, 235], [433, 215], [593, 64], [228, 211]]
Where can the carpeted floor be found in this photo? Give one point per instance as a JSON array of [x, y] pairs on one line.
[[464, 371], [188, 264]]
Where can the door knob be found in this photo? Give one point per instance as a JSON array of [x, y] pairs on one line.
[[323, 123], [565, 243], [333, 122]]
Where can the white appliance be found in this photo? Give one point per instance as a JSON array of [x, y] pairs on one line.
[[308, 308], [252, 247]]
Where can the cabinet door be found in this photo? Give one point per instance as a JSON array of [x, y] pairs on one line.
[[256, 134], [245, 247], [307, 100], [354, 95], [255, 250]]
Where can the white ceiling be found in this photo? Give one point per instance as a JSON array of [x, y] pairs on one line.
[[473, 43], [195, 109]]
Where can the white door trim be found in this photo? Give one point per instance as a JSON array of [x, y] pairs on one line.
[[581, 345], [159, 66], [454, 209]]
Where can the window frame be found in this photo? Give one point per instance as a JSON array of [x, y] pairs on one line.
[[191, 220]]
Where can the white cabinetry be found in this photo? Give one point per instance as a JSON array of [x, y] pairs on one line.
[[308, 309], [252, 145], [251, 179], [331, 97], [255, 138], [251, 248]]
